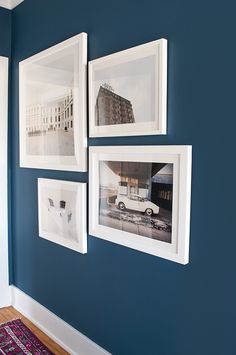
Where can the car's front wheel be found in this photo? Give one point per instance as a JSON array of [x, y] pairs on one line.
[[149, 212], [121, 206]]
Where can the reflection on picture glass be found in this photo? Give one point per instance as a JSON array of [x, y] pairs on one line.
[[49, 99], [136, 197]]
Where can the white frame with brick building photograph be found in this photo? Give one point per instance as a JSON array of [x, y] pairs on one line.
[[53, 129], [62, 213], [128, 92], [140, 198]]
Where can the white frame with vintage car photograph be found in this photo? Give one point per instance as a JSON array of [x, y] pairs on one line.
[[53, 128], [128, 92], [126, 173], [62, 213]]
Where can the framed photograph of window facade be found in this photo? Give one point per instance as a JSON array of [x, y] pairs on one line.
[[53, 107], [62, 213], [140, 198], [128, 92]]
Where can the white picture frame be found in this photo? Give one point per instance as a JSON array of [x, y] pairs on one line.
[[52, 95], [116, 172], [62, 213], [128, 92]]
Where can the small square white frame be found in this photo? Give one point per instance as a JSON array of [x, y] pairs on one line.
[[81, 218], [181, 157], [159, 125], [78, 162]]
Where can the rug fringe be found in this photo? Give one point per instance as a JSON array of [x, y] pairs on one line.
[[11, 320]]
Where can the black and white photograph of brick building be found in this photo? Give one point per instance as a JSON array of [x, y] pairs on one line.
[[125, 93], [128, 92]]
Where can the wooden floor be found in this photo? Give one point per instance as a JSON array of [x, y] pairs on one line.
[[9, 313]]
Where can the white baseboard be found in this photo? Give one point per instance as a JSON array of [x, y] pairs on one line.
[[61, 332], [5, 297]]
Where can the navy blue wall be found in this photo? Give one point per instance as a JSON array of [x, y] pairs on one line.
[[129, 302], [5, 32]]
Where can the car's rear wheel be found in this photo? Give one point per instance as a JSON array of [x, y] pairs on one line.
[[121, 206], [149, 212]]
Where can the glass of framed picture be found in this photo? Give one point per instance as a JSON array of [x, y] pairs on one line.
[[140, 198], [128, 92], [62, 213], [53, 107]]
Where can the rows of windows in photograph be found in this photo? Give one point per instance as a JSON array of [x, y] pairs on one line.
[[111, 108], [51, 116]]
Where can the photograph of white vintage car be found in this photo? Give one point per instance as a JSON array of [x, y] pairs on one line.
[[136, 197], [137, 203], [140, 198]]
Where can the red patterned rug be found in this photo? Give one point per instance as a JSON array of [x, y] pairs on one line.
[[17, 339]]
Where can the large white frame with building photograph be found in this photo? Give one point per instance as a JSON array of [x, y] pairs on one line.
[[62, 213], [53, 129], [128, 91], [140, 198]]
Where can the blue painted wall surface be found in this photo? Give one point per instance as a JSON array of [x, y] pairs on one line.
[[129, 302], [5, 32]]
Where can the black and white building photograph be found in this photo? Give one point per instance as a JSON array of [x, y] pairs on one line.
[[124, 93], [62, 213], [53, 107], [50, 122], [127, 91]]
